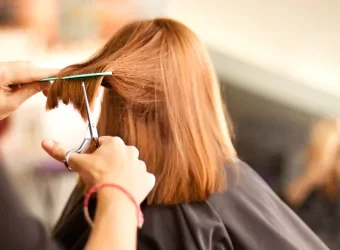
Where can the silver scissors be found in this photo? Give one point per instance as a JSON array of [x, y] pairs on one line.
[[90, 136]]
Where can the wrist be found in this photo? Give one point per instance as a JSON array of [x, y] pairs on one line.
[[114, 196], [119, 201], [114, 199]]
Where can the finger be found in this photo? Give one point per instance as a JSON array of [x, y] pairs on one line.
[[109, 139], [26, 91], [58, 151], [46, 91], [104, 139], [151, 181], [142, 165], [134, 151], [54, 149], [25, 72]]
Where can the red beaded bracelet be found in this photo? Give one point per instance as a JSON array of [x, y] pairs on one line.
[[140, 217]]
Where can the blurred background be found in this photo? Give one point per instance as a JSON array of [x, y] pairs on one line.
[[278, 62]]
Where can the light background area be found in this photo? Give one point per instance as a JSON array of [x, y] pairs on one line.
[[296, 38]]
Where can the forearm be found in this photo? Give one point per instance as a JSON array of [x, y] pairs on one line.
[[115, 224]]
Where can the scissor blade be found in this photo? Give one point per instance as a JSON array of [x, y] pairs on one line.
[[91, 124]]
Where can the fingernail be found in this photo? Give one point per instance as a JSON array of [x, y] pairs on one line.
[[49, 143], [44, 85]]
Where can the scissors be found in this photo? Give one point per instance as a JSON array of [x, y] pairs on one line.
[[91, 134]]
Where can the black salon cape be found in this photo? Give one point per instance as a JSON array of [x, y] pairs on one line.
[[247, 216], [18, 229]]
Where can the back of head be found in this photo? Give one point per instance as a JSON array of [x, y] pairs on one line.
[[163, 97]]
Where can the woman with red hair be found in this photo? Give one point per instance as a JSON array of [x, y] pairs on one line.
[[163, 97]]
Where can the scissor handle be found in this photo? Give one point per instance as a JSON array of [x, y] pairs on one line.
[[84, 146], [88, 139]]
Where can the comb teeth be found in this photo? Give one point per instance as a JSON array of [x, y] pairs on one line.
[[77, 76], [87, 75]]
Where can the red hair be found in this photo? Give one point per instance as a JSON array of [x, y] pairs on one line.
[[164, 98]]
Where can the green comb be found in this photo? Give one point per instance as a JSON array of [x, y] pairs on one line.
[[76, 76], [109, 73]]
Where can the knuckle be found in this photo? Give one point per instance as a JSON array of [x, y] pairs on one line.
[[118, 141], [142, 165], [133, 150]]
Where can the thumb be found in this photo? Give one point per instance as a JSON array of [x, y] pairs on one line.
[[54, 149], [28, 90], [58, 152]]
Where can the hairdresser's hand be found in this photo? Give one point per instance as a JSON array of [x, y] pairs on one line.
[[25, 74], [112, 162]]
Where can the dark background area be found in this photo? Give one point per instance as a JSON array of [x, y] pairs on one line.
[[267, 132]]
